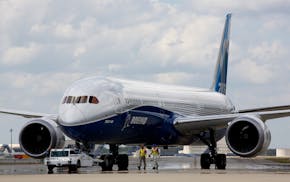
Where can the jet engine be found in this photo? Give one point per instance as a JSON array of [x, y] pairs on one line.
[[38, 136], [248, 136]]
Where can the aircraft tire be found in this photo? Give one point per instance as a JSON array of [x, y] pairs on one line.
[[221, 161], [205, 161], [50, 169], [72, 169], [123, 162], [78, 164], [108, 163]]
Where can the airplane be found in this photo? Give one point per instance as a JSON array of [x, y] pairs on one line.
[[106, 110]]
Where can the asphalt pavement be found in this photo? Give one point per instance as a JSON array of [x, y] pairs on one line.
[[171, 169]]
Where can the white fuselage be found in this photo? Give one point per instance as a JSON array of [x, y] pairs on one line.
[[117, 96]]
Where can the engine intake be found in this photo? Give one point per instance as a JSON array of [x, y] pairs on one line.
[[37, 137], [248, 136]]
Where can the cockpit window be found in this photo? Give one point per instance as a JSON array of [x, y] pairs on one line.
[[80, 99], [83, 99], [69, 99], [64, 100], [77, 100], [93, 100]]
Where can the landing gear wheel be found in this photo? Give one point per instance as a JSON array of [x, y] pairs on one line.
[[114, 158], [205, 161], [213, 157], [123, 162], [50, 169], [72, 169], [221, 161], [78, 164], [108, 162]]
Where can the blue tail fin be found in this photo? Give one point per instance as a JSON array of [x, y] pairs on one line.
[[220, 75]]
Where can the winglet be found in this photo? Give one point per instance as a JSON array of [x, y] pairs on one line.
[[220, 75]]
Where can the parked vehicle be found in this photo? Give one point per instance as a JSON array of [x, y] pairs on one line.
[[71, 158]]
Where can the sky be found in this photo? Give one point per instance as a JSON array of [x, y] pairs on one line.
[[46, 45]]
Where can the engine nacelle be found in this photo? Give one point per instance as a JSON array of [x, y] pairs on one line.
[[38, 136], [248, 136]]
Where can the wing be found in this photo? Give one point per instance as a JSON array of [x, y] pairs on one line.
[[275, 108], [267, 113], [25, 114], [197, 124]]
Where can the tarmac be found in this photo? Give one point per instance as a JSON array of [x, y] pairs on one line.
[[171, 169], [173, 177]]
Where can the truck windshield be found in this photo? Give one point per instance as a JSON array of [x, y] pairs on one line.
[[59, 154]]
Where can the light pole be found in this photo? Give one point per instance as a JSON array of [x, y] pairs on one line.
[[11, 130]]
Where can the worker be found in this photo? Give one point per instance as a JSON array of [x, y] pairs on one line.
[[142, 156], [155, 152]]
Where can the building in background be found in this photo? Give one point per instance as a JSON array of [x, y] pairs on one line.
[[221, 148]]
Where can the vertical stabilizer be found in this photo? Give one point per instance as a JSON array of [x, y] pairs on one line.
[[220, 75]]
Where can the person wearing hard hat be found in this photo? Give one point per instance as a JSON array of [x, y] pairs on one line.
[[142, 156], [155, 152]]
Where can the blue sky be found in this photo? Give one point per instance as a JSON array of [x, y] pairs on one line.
[[46, 45]]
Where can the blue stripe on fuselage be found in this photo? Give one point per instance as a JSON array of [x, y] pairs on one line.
[[147, 124]]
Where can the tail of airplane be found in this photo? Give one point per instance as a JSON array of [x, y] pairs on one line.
[[220, 75]]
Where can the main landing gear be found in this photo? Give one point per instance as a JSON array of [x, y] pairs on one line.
[[212, 157], [109, 160]]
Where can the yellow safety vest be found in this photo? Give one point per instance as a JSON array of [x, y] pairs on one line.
[[142, 152], [155, 151]]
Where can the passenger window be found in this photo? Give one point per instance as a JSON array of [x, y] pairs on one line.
[[83, 99], [93, 100]]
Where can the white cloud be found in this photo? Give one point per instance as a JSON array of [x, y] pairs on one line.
[[246, 6], [20, 55], [79, 51], [64, 31], [249, 71], [174, 78], [115, 67], [263, 63], [276, 23], [266, 52], [38, 28], [39, 84], [184, 43]]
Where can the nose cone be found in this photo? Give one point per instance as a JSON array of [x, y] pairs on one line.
[[71, 115]]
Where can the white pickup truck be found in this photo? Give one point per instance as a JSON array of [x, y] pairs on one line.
[[73, 159]]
